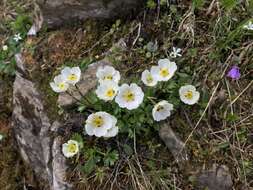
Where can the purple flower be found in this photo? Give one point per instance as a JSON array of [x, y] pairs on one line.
[[234, 73]]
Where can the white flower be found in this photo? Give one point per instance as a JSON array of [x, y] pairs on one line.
[[17, 37], [188, 94], [100, 123], [112, 132], [107, 73], [70, 148], [248, 26], [60, 84], [5, 48], [164, 71], [1, 137], [148, 79], [162, 110], [107, 90], [129, 97], [71, 75], [176, 52]]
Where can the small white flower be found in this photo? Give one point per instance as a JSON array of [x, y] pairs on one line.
[[60, 84], [99, 124], [176, 52], [5, 48], [148, 79], [1, 137], [107, 73], [107, 90], [248, 26], [71, 75], [189, 95], [162, 110], [164, 71], [17, 37], [129, 96], [70, 149]]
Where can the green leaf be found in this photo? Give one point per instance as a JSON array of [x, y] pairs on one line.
[[232, 117], [21, 24], [250, 6], [223, 145], [110, 158], [81, 108], [89, 166], [77, 137], [85, 62], [128, 150], [198, 3], [151, 4], [229, 4]]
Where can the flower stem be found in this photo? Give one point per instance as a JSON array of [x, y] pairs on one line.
[[82, 95], [74, 97], [151, 100], [99, 152]]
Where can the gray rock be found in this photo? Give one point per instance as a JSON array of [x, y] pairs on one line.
[[59, 12], [38, 144], [174, 144], [218, 178]]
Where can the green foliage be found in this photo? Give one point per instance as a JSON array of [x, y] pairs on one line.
[[22, 24], [90, 165], [115, 26], [7, 66], [95, 157], [248, 167], [7, 60], [110, 158], [127, 149], [151, 4], [250, 6], [229, 4], [223, 145], [232, 117], [85, 62], [197, 4], [229, 34], [163, 2]]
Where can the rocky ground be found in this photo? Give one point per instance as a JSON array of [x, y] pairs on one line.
[[206, 145]]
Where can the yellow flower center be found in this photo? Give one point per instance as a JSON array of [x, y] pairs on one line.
[[129, 96], [149, 78], [159, 108], [188, 94], [110, 93], [98, 121], [72, 148], [108, 77], [164, 72], [61, 86], [72, 77]]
